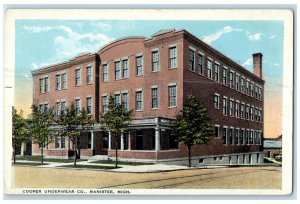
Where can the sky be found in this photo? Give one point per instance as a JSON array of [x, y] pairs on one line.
[[40, 43]]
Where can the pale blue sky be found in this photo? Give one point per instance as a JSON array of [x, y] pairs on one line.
[[42, 42]]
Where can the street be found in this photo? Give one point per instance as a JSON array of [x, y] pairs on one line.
[[219, 178]]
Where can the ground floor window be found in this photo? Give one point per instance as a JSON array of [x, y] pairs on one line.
[[59, 142]]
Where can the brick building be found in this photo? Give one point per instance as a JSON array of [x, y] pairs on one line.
[[153, 77]]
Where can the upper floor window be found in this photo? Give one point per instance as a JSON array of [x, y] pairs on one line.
[[125, 72], [173, 57], [139, 100], [259, 93], [117, 99], [237, 82], [231, 107], [78, 105], [237, 109], [217, 101], [256, 91], [105, 72], [105, 104], [209, 68], [252, 113], [200, 64], [217, 130], [117, 70], [172, 96], [252, 89], [247, 112], [139, 65], [225, 105], [154, 94], [89, 75], [64, 80], [247, 87], [231, 80], [217, 72], [89, 105], [58, 82], [225, 82], [77, 77], [242, 110], [192, 60], [125, 101], [243, 85], [155, 60], [44, 84], [60, 106]]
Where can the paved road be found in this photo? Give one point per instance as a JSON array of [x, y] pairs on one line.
[[220, 178]]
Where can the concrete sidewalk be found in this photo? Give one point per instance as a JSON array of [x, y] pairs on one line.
[[151, 168]]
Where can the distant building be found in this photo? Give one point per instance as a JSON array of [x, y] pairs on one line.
[[273, 147], [153, 76]]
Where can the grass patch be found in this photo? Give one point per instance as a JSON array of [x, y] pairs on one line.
[[28, 164], [39, 158], [120, 162], [89, 166]]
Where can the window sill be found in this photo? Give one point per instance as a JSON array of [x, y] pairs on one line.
[[170, 68], [155, 108], [172, 107], [155, 71], [138, 110], [141, 75], [89, 83]]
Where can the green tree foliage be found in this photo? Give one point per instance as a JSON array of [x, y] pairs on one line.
[[39, 126], [192, 125], [71, 125], [116, 120], [19, 130]]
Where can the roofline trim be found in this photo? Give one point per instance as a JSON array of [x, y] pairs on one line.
[[120, 39]]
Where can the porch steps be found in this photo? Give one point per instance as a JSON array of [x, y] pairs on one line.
[[98, 157]]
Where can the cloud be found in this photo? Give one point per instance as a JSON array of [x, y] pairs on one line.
[[104, 26], [215, 36], [255, 37], [247, 62], [272, 37], [27, 76], [44, 64], [70, 43]]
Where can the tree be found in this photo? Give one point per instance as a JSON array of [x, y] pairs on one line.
[[19, 130], [39, 126], [191, 125], [72, 123], [116, 120]]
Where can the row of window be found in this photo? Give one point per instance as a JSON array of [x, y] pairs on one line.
[[238, 109], [123, 97], [61, 80], [121, 66], [230, 78], [239, 136]]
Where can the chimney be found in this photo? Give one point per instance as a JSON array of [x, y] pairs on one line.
[[257, 64]]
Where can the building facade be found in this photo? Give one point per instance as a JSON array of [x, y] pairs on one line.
[[153, 77]]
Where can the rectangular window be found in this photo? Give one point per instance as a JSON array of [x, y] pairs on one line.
[[155, 61], [217, 72], [230, 135], [117, 99], [139, 100], [242, 110], [89, 105], [237, 82], [78, 105], [237, 109], [139, 65], [236, 136], [225, 105], [256, 114], [155, 98], [243, 85], [125, 72], [225, 135], [260, 115], [247, 112], [63, 105], [46, 84], [231, 80], [201, 64], [58, 108], [256, 92], [252, 89], [173, 57], [89, 76], [217, 101], [209, 68], [64, 80], [125, 100], [172, 96], [231, 108], [58, 82], [225, 76], [242, 132], [77, 77], [59, 142], [192, 60], [251, 113], [117, 70], [42, 86], [105, 72], [217, 131], [259, 93], [105, 104], [247, 87]]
